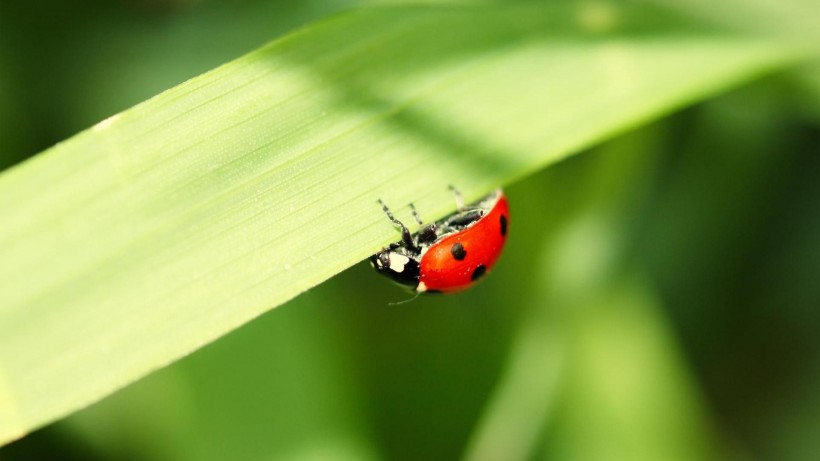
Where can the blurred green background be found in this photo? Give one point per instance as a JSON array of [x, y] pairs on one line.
[[658, 298]]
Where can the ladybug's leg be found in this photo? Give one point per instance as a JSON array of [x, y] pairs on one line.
[[426, 234], [416, 214], [459, 198], [464, 219], [406, 236]]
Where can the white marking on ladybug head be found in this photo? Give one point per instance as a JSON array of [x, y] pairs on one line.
[[397, 262], [421, 288]]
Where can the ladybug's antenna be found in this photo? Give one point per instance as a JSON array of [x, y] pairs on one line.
[[406, 236], [459, 197], [397, 303]]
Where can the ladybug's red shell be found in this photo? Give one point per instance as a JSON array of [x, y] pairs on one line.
[[455, 261]]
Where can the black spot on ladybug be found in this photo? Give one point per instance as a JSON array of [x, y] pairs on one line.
[[478, 272], [458, 252], [503, 225]]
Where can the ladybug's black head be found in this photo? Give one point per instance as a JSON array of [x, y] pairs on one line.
[[401, 268]]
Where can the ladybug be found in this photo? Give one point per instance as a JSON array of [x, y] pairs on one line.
[[448, 255]]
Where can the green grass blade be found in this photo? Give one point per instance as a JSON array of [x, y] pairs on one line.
[[166, 226]]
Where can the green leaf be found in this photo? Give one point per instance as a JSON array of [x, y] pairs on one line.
[[168, 225]]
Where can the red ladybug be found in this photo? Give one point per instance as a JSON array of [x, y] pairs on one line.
[[451, 254]]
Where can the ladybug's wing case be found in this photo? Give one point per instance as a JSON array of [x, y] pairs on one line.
[[459, 259]]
